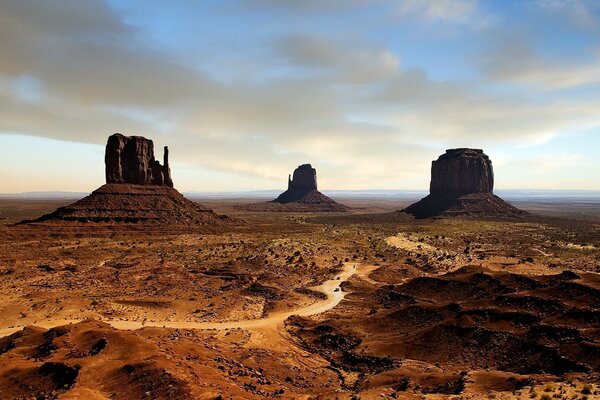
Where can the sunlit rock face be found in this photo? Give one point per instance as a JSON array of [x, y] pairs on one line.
[[462, 183], [130, 159]]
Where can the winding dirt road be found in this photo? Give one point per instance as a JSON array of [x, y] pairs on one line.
[[330, 287]]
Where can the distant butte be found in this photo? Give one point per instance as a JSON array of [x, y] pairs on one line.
[[302, 192], [138, 189], [304, 182], [462, 183]]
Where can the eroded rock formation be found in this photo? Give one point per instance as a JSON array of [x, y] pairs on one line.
[[462, 171], [302, 191], [130, 159], [303, 181], [305, 178], [462, 183], [138, 189]]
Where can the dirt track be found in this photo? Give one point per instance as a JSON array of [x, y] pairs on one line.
[[330, 287]]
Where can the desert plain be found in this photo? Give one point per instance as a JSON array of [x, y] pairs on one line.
[[370, 303]]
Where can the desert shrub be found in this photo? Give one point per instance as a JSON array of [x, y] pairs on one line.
[[587, 389]]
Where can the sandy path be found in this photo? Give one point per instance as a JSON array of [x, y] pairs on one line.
[[330, 287]]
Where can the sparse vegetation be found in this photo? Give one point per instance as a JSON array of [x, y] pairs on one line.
[[420, 289], [587, 389]]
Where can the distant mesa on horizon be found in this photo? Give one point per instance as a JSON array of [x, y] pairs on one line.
[[302, 190], [462, 183], [138, 189], [304, 181]]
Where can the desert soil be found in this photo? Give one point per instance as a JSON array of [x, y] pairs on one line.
[[366, 304]]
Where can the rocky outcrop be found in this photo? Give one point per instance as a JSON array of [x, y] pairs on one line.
[[462, 183], [130, 159], [302, 193]]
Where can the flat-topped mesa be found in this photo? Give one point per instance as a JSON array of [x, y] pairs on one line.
[[130, 159], [462, 171], [462, 183]]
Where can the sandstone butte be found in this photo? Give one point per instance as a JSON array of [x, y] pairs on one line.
[[462, 183], [302, 191], [130, 159], [138, 190]]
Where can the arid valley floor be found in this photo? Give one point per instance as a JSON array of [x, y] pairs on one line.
[[366, 304]]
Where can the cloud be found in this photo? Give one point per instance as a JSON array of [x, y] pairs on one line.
[[29, 29], [350, 103], [87, 55], [583, 14], [311, 6], [338, 61], [457, 11], [517, 61], [432, 12]]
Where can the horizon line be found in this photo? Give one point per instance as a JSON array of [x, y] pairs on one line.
[[280, 190]]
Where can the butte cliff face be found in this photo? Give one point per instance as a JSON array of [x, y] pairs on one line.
[[462, 183], [130, 159], [462, 171], [302, 193], [138, 189], [303, 181]]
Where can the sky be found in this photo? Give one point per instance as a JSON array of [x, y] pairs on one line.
[[243, 91]]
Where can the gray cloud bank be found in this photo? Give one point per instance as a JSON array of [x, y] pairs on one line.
[[79, 71]]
